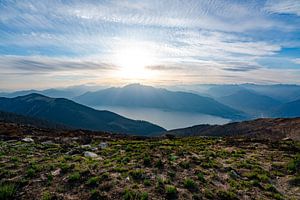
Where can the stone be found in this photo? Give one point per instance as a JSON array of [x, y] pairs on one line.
[[49, 142], [56, 172], [103, 145], [90, 154], [27, 140], [86, 146]]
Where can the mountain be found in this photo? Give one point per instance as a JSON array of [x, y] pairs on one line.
[[72, 114], [136, 95], [290, 109], [8, 117], [250, 102], [267, 129], [282, 92], [68, 92], [217, 91]]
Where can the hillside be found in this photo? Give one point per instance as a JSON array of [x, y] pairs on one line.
[[71, 164], [136, 95], [8, 117], [250, 102], [267, 129], [72, 114], [290, 109]]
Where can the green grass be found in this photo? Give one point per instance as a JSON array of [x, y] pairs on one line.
[[93, 181], [7, 191], [171, 191], [189, 184], [74, 176]]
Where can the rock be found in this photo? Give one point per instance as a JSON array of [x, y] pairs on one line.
[[56, 172], [86, 146], [94, 149], [74, 151], [27, 140], [90, 154], [49, 142], [103, 145], [234, 175]]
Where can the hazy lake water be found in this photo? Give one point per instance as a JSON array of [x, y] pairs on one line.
[[163, 118]]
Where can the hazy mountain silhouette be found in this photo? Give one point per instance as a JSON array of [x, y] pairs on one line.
[[290, 109], [250, 102], [136, 95], [75, 115], [68, 92]]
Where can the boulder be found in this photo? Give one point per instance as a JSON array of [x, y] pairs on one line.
[[103, 145], [27, 139], [90, 154]]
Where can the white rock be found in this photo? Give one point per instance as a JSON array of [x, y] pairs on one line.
[[56, 172], [86, 146], [90, 154], [27, 140], [47, 142], [94, 149], [103, 145]]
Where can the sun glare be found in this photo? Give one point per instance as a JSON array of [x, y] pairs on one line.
[[133, 60]]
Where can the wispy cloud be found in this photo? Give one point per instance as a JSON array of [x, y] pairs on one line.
[[283, 6], [297, 61], [211, 40]]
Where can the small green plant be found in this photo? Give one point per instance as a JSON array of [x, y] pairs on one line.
[[105, 176], [160, 185], [7, 191], [93, 181], [269, 187], [147, 161], [147, 182], [65, 167], [171, 191], [46, 195], [226, 195], [95, 195], [144, 196], [200, 177], [295, 181], [294, 165], [189, 184], [159, 164], [31, 172], [74, 176], [137, 174], [129, 194], [184, 164]]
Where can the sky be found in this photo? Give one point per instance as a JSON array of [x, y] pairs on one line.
[[54, 43]]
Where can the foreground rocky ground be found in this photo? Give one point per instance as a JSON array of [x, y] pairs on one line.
[[39, 165]]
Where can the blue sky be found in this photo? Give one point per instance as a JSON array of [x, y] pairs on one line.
[[61, 43]]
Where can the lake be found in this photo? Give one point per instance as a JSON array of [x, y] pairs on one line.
[[166, 119]]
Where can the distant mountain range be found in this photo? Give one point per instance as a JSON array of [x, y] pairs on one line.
[[256, 105], [136, 95], [233, 101], [69, 92], [69, 113], [267, 129], [290, 109]]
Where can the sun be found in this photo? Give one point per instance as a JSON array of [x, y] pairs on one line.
[[133, 60]]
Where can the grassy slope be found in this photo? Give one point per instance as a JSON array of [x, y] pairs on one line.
[[129, 168]]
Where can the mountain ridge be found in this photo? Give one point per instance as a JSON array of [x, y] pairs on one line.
[[75, 115], [136, 95]]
